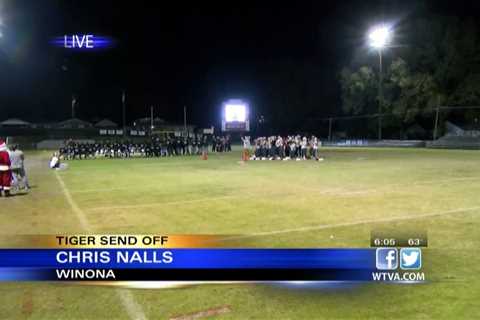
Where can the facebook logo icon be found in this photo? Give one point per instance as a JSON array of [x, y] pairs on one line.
[[387, 258]]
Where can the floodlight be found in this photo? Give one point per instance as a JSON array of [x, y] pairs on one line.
[[380, 36]]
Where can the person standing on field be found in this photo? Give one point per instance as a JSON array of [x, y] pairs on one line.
[[279, 151], [246, 148], [314, 147], [304, 148], [17, 165], [5, 170]]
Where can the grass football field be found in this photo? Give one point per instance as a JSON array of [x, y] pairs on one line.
[[334, 203]]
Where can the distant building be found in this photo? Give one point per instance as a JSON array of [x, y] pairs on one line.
[[105, 123], [171, 127], [74, 123], [15, 123], [146, 123], [160, 126]]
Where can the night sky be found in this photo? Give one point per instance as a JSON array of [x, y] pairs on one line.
[[175, 53]]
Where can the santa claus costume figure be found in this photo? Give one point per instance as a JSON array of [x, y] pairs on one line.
[[5, 170]]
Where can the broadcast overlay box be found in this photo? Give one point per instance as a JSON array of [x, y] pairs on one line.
[[183, 258]]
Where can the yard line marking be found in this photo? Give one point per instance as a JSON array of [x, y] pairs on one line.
[[73, 205], [302, 187], [157, 204], [333, 192], [219, 198], [439, 181], [348, 224], [336, 191], [407, 184], [126, 162], [133, 309], [295, 191]]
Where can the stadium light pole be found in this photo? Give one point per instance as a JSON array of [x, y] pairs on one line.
[[379, 38], [1, 25]]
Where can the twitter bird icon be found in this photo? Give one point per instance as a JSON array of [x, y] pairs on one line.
[[410, 258]]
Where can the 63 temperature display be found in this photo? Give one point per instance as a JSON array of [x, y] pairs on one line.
[[398, 239]]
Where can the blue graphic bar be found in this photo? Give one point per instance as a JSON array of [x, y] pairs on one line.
[[189, 258], [187, 264], [83, 42]]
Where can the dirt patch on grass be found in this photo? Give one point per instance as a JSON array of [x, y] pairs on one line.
[[27, 304], [203, 313]]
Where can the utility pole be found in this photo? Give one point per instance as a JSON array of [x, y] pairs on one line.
[[185, 120], [74, 101], [380, 95], [124, 115], [435, 128], [330, 129], [151, 117]]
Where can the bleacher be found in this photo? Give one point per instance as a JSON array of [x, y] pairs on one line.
[[386, 143], [457, 138], [455, 142]]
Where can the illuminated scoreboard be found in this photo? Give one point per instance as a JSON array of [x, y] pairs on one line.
[[235, 115]]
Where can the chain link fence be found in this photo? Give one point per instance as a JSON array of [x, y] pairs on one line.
[[430, 125]]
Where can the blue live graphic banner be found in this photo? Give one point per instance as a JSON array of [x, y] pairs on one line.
[[191, 264]]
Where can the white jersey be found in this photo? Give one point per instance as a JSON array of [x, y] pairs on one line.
[[304, 144], [292, 144], [246, 143], [279, 143], [16, 159], [54, 162]]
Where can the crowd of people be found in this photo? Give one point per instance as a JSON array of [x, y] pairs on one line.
[[283, 148], [156, 147], [293, 147]]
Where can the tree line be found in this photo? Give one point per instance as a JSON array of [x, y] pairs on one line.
[[433, 61]]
